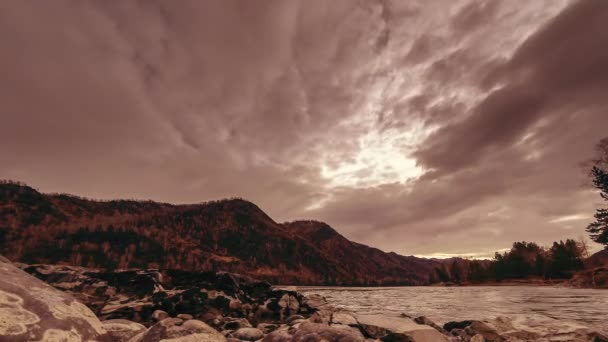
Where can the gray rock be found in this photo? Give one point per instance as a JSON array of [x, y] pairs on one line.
[[122, 330], [31, 310], [267, 327], [290, 302], [483, 329], [425, 321], [278, 336], [179, 331], [235, 323], [398, 328], [315, 301], [293, 318], [311, 332], [460, 333], [235, 305], [344, 318], [185, 317], [478, 338], [159, 315], [248, 334]]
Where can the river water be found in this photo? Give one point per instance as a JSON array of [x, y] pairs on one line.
[[547, 307]]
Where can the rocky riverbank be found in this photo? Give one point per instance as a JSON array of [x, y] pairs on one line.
[[152, 305]]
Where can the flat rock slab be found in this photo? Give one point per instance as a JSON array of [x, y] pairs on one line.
[[31, 310], [378, 326]]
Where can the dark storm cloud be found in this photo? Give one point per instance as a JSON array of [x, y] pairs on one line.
[[562, 65], [518, 146], [315, 109]]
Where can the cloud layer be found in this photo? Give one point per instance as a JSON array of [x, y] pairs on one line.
[[417, 127]]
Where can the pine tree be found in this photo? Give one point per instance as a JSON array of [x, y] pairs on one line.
[[598, 230]]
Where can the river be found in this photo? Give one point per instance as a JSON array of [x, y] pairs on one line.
[[533, 307]]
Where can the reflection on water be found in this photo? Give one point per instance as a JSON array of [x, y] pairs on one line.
[[443, 304]]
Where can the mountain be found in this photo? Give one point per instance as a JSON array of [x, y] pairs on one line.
[[231, 235], [597, 259]]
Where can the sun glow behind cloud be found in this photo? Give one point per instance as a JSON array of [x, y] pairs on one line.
[[381, 157]]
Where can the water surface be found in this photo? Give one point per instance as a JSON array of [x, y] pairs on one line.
[[531, 304]]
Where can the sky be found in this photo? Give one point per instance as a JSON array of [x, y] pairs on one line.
[[430, 128]]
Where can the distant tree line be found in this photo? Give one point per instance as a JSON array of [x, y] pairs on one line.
[[525, 260]]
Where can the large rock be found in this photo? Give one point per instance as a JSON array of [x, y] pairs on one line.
[[313, 332], [121, 330], [248, 334], [176, 330], [398, 329], [31, 310]]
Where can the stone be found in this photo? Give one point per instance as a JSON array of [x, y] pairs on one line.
[[478, 338], [248, 334], [278, 336], [456, 325], [185, 317], [597, 337], [31, 310], [235, 305], [176, 330], [327, 333], [267, 327], [321, 316], [315, 301], [159, 315], [122, 330], [293, 318], [316, 332], [289, 302], [483, 329], [397, 338], [425, 321], [460, 333], [344, 318], [236, 323], [379, 326]]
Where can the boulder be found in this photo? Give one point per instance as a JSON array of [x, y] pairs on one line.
[[267, 327], [480, 328], [478, 338], [315, 302], [460, 333], [397, 329], [185, 317], [293, 318], [248, 334], [176, 330], [32, 310], [424, 320], [344, 318], [235, 323], [313, 332], [122, 330], [159, 315]]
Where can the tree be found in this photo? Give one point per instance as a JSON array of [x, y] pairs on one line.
[[598, 230], [565, 259], [456, 276]]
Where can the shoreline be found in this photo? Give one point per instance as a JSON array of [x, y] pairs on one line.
[[155, 305]]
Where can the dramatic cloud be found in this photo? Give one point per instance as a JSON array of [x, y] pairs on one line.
[[421, 127]]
